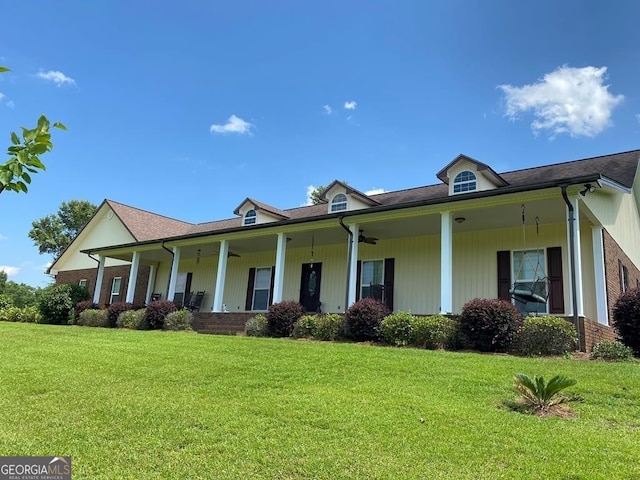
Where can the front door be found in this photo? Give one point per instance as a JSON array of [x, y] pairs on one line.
[[310, 286]]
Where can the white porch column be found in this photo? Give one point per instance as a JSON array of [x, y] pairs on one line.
[[221, 276], [151, 283], [278, 279], [599, 273], [99, 277], [171, 291], [446, 263], [577, 254], [133, 276], [353, 266]]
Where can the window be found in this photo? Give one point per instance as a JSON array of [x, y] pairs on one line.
[[372, 277], [339, 203], [624, 277], [464, 182], [261, 287], [250, 217], [83, 282], [528, 266], [115, 290]]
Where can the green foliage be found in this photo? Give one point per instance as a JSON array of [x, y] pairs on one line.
[[626, 319], [305, 327], [180, 320], [115, 309], [282, 316], [363, 318], [397, 328], [435, 332], [55, 304], [257, 326], [546, 335], [490, 325], [611, 351], [53, 233], [316, 194], [5, 301], [17, 314], [156, 312], [539, 396], [17, 294], [94, 318], [133, 319], [329, 327], [81, 307]]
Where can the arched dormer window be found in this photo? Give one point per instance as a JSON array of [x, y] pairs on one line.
[[250, 217], [465, 182], [339, 202]]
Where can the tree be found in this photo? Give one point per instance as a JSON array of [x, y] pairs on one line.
[[315, 195], [53, 233], [24, 154]]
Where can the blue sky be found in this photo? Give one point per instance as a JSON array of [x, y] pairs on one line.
[[186, 108]]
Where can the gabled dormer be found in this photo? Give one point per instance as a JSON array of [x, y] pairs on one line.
[[341, 197], [254, 213], [465, 174]]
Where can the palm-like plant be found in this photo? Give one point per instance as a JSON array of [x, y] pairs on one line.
[[541, 396]]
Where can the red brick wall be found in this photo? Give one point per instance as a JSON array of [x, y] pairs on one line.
[[74, 276], [613, 256]]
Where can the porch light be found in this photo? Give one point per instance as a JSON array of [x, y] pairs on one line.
[[588, 188], [460, 219]]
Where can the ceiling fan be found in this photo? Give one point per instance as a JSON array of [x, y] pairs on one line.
[[363, 239]]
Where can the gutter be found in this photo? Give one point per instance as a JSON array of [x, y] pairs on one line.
[[572, 250], [346, 299]]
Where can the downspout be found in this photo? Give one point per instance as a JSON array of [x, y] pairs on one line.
[[172, 259], [346, 299], [97, 271], [572, 249]]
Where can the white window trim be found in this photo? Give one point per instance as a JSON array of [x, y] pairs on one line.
[[82, 282], [255, 289], [250, 219], [462, 184], [338, 206], [117, 293]]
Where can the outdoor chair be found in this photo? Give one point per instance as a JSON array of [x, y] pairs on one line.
[[196, 301]]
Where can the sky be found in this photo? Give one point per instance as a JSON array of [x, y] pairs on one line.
[[187, 108]]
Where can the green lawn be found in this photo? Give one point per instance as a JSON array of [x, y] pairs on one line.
[[132, 404]]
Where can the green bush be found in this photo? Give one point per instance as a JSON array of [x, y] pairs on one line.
[[115, 309], [435, 332], [257, 326], [363, 318], [94, 318], [78, 293], [55, 304], [546, 335], [490, 325], [30, 315], [305, 327], [133, 319], [626, 319], [329, 327], [611, 351], [156, 312], [180, 320], [282, 317], [397, 328], [81, 307], [5, 301]]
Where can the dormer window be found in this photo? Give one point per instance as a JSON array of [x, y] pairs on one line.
[[250, 217], [339, 203], [465, 182]]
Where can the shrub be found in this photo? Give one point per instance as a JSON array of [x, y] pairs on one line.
[[435, 332], [257, 326], [78, 293], [490, 325], [81, 307], [541, 397], [282, 316], [305, 327], [179, 320], [546, 335], [115, 309], [30, 315], [626, 319], [5, 301], [156, 312], [328, 327], [55, 304], [133, 319], [611, 351], [363, 318], [94, 318], [11, 314], [397, 328]]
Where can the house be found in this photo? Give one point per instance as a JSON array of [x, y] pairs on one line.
[[561, 238]]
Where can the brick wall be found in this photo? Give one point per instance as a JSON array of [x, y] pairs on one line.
[[614, 257], [89, 274]]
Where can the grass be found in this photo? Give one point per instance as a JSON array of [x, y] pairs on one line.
[[132, 404]]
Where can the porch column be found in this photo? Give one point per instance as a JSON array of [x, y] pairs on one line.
[[99, 277], [173, 277], [133, 276], [221, 276], [353, 265], [578, 254], [151, 283], [446, 263], [278, 279], [599, 273]]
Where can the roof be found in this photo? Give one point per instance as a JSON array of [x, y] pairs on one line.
[[261, 206], [145, 226]]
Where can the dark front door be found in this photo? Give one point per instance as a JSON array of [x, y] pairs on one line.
[[310, 286]]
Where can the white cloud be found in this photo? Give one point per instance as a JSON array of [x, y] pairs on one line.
[[10, 271], [327, 109], [350, 105], [11, 104], [567, 100], [233, 125], [56, 77], [1, 95], [375, 191]]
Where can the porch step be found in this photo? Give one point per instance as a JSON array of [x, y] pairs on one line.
[[221, 323]]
